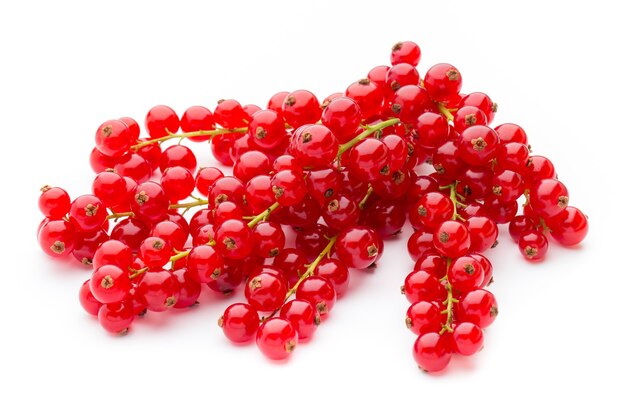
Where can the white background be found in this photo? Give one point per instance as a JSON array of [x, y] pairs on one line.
[[558, 70]]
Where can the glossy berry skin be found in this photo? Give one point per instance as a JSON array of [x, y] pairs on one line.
[[468, 338], [314, 146], [277, 338], [54, 202], [420, 244], [113, 252], [468, 116], [293, 264], [324, 184], [432, 129], [258, 193], [538, 168], [267, 129], [301, 107], [178, 183], [206, 177], [99, 161], [406, 52], [478, 145], [265, 291], [56, 238], [158, 289], [234, 239], [397, 150], [250, 164], [336, 272], [341, 212], [358, 247], [171, 232], [409, 102], [478, 307], [288, 187], [368, 95], [483, 233], [432, 352], [465, 274], [430, 210], [116, 318], [110, 284], [226, 189], [452, 239], [155, 252], [223, 146], [548, 197], [319, 292], [134, 166], [178, 156], [204, 264], [569, 227], [368, 160], [400, 75], [507, 185], [423, 317], [276, 102], [86, 245], [131, 232], [197, 118], [269, 239], [230, 114], [303, 317], [511, 133], [520, 225], [533, 245], [161, 121], [483, 102], [239, 322], [87, 213], [443, 82], [87, 300], [110, 188], [433, 264], [150, 202], [188, 289], [343, 117], [113, 138], [422, 285]]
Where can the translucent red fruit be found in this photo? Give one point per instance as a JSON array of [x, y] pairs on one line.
[[56, 238], [406, 52], [432, 351], [452, 239], [265, 291], [314, 146], [267, 129], [110, 284], [318, 291], [113, 138], [369, 160], [197, 118], [277, 338], [161, 121], [478, 307], [87, 213], [548, 197], [303, 316], [569, 227], [478, 145], [359, 247], [54, 202], [468, 338], [301, 107], [343, 117], [239, 322], [443, 82], [158, 289]]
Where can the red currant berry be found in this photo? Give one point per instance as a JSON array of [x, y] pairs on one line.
[[134, 166], [158, 289], [478, 145], [369, 160], [189, 289], [178, 183], [204, 264], [197, 118], [230, 114], [205, 178], [359, 247], [110, 284], [277, 338], [172, 233], [407, 52], [314, 146], [368, 95], [465, 274], [130, 232], [150, 202], [443, 82], [319, 292], [343, 117], [483, 102], [87, 213], [423, 317], [336, 272], [239, 322], [569, 227], [54, 202], [250, 164], [267, 129], [422, 285], [293, 264], [548, 197], [161, 121], [155, 252], [400, 75], [452, 239], [468, 338], [409, 103], [432, 352], [269, 239], [234, 239], [483, 233], [265, 291], [116, 318], [86, 245], [87, 300], [510, 132], [520, 225], [178, 156], [430, 210], [303, 317], [99, 161], [478, 307], [113, 138], [113, 252], [288, 187], [301, 107], [227, 189], [533, 245]]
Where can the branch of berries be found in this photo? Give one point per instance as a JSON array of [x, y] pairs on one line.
[[341, 174]]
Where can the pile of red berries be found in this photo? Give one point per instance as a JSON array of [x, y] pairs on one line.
[[343, 175]]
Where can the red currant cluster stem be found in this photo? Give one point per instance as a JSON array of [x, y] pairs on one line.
[[209, 133]]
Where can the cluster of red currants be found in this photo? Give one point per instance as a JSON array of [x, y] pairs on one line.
[[343, 175]]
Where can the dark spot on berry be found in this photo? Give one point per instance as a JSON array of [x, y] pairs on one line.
[[91, 210], [278, 191], [364, 81], [260, 133], [230, 243], [395, 86], [333, 205], [220, 321], [306, 138], [408, 322], [141, 198], [452, 74], [372, 251], [158, 244], [563, 200], [469, 269], [444, 237], [290, 100], [58, 247], [107, 131], [478, 144], [290, 346], [396, 47], [107, 282], [170, 301], [395, 107], [470, 119], [421, 210], [321, 307]]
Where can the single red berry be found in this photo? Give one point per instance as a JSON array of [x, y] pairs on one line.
[[87, 213], [483, 233], [205, 178], [431, 210], [423, 317], [465, 274], [227, 189], [178, 156], [314, 146], [131, 232], [432, 352], [226, 210], [513, 156], [368, 95], [510, 132], [288, 187], [234, 239], [113, 138], [533, 245], [369, 160], [400, 75], [197, 118], [301, 107], [150, 202], [86, 245], [110, 188], [276, 102], [54, 202], [223, 147], [483, 102], [452, 239], [56, 238], [99, 161], [359, 247], [303, 316], [468, 338], [468, 116], [158, 289], [433, 264], [117, 317], [239, 322], [269, 239], [265, 291], [378, 74], [293, 264], [250, 164], [319, 292], [478, 145], [133, 127], [135, 166], [548, 197], [189, 289], [155, 252], [161, 121], [267, 129], [407, 52], [336, 272], [110, 284], [443, 82], [420, 244], [341, 212], [409, 102], [87, 300], [178, 183], [343, 117], [171, 232], [113, 252], [520, 225], [422, 285], [569, 227], [478, 307], [277, 338], [204, 264]]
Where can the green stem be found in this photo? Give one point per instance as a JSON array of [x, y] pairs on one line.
[[370, 190], [443, 110], [455, 201], [120, 215], [448, 302], [210, 133], [263, 215], [197, 202], [371, 129], [311, 268]]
